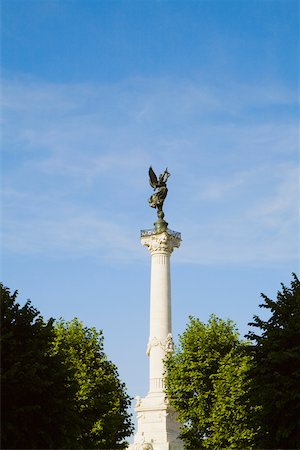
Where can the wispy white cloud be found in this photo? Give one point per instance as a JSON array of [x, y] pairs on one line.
[[276, 210], [68, 236], [217, 189], [261, 230], [52, 226], [73, 150], [253, 220]]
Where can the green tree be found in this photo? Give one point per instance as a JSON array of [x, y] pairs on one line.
[[276, 371], [101, 398], [37, 404], [233, 416], [205, 385]]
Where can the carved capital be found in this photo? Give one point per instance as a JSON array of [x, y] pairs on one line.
[[164, 242]]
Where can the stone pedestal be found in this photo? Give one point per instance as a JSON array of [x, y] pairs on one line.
[[157, 426]]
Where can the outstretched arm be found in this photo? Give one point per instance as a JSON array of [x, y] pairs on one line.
[[166, 175]]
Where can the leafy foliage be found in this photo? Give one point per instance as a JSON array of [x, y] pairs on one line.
[[233, 416], [205, 382], [101, 399], [59, 390], [276, 372], [38, 410]]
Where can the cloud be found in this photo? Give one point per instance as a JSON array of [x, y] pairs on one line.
[[253, 220], [53, 227], [261, 230], [76, 160], [276, 211]]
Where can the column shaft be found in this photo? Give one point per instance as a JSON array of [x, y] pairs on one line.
[[160, 296], [160, 317]]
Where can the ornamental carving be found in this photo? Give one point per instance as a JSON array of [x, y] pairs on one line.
[[144, 445], [138, 401], [154, 342], [166, 344], [160, 243]]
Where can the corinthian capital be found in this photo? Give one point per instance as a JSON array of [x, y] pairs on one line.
[[163, 242]]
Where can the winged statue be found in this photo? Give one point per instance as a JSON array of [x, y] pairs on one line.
[[160, 186]]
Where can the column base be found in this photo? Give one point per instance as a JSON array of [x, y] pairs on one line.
[[157, 425]]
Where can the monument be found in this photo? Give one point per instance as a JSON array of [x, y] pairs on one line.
[[157, 428]]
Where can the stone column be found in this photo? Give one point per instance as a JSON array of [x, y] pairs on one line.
[[160, 340], [157, 426]]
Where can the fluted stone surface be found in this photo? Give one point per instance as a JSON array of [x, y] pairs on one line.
[[157, 425]]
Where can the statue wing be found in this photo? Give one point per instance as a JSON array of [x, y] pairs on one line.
[[153, 178]]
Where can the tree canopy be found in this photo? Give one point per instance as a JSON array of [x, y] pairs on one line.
[[59, 390], [276, 370], [37, 405], [101, 398], [205, 383], [230, 393]]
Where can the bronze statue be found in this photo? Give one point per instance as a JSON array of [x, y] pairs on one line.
[[157, 199]]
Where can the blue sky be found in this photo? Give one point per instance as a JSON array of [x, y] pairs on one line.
[[96, 91]]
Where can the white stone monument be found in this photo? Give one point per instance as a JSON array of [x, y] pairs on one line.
[[157, 428]]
